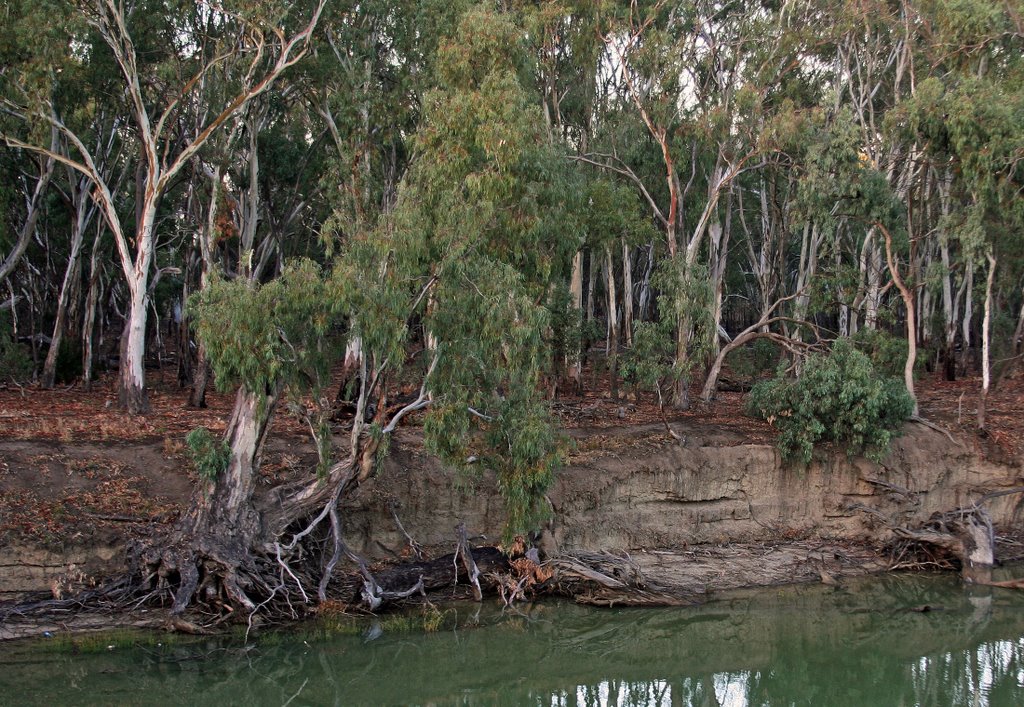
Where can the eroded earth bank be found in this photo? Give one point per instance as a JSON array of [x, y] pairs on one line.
[[676, 520]]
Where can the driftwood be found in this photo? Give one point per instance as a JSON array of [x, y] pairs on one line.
[[444, 572], [1008, 584], [607, 580], [463, 553], [965, 534]]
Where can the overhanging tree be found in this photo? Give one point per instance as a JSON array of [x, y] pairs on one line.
[[458, 275]]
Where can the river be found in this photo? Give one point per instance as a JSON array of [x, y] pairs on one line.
[[889, 640]]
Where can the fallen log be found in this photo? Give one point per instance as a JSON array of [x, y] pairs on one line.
[[443, 572], [609, 580], [966, 534]]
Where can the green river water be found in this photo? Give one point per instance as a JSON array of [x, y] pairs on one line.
[[867, 643]]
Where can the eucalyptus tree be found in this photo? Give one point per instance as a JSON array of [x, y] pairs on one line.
[[19, 220], [162, 51], [484, 226], [449, 288], [364, 91], [689, 75], [968, 113], [83, 215]]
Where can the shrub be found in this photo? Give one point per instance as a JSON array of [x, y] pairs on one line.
[[888, 353], [210, 454], [15, 360], [69, 362], [841, 398], [754, 360]]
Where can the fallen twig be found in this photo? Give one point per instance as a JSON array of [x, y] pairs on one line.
[[931, 425]]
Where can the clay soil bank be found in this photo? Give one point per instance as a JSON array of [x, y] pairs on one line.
[[718, 511]]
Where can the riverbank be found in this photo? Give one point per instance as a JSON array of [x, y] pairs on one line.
[[710, 508], [680, 520]]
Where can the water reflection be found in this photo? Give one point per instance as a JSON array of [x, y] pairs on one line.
[[888, 641]]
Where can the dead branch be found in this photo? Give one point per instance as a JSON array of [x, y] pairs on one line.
[[463, 552], [416, 548]]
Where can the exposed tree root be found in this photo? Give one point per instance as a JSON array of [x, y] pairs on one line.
[[932, 426], [963, 535]]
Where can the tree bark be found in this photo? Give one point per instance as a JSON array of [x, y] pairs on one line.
[[985, 326], [200, 378], [612, 350], [83, 214], [132, 376], [348, 388], [216, 541], [627, 293], [91, 303], [965, 353], [908, 302], [576, 306]]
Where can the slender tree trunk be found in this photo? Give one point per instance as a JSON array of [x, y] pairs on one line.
[[948, 301], [200, 379], [33, 208], [719, 234], [681, 394], [612, 351], [948, 315], [207, 241], [965, 353], [985, 327], [591, 280], [1018, 333], [908, 302], [873, 297], [627, 293], [91, 303], [60, 324], [186, 365], [71, 275], [575, 362]]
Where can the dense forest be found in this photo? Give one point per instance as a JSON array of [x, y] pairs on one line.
[[453, 210]]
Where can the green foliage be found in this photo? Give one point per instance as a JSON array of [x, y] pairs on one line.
[[262, 336], [839, 398], [684, 299], [753, 360], [651, 359], [888, 353], [15, 360], [485, 223], [839, 182], [567, 326], [210, 454]]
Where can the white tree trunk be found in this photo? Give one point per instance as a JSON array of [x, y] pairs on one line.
[[627, 293], [71, 274], [612, 348], [985, 356], [965, 354], [575, 367]]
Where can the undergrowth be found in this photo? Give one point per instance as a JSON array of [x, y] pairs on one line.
[[840, 398]]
